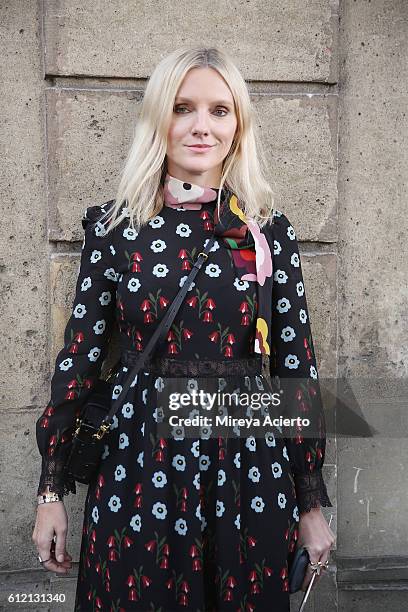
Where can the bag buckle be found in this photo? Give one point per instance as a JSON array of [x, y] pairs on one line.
[[103, 429], [203, 254]]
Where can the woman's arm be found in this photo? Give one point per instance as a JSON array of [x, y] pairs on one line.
[[78, 363], [293, 361]]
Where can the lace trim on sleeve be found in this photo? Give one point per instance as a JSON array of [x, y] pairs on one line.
[[311, 491], [54, 476]]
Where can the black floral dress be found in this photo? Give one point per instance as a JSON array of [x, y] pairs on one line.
[[181, 523]]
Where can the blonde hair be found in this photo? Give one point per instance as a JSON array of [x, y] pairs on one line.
[[243, 172]]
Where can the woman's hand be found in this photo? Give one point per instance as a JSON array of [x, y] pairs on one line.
[[315, 535], [52, 519]]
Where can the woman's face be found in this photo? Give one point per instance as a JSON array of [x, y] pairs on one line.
[[203, 114]]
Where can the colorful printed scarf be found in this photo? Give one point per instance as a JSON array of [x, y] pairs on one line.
[[251, 245]]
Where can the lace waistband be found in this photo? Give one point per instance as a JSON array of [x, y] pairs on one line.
[[169, 366]]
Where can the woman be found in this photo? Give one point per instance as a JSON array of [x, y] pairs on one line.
[[205, 523]]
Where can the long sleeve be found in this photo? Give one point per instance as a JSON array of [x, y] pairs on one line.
[[293, 361], [78, 363]]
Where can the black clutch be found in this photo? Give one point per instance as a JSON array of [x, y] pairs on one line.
[[297, 569]]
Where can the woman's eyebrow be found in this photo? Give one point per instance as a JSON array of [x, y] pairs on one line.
[[223, 102]]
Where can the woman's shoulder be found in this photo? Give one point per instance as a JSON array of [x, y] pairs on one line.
[[94, 213], [281, 226]]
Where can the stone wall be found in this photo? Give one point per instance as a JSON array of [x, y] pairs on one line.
[[334, 77]]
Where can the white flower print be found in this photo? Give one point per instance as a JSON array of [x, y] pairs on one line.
[[79, 311], [159, 479], [291, 233], [156, 222], [159, 510], [213, 270], [205, 432], [300, 289], [99, 229], [220, 508], [277, 213], [214, 247], [94, 353], [192, 385], [134, 285], [116, 391], [276, 247], [257, 504], [288, 333], [254, 474], [183, 230], [302, 315], [183, 280], [291, 362], [95, 256], [114, 503], [283, 305], [251, 443], [241, 285], [280, 277], [276, 469], [136, 522], [130, 234], [140, 458], [296, 513], [123, 441], [237, 460], [66, 364], [158, 246], [99, 327], [159, 384], [95, 514], [86, 283], [204, 463], [195, 448], [158, 414], [238, 521], [281, 500], [112, 249], [111, 274], [115, 422], [178, 432], [294, 260], [160, 270], [285, 453], [270, 439], [179, 462], [313, 372], [198, 512], [180, 526], [196, 481], [105, 298], [221, 477], [120, 473], [128, 410]]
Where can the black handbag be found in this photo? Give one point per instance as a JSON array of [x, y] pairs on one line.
[[94, 422], [297, 569]]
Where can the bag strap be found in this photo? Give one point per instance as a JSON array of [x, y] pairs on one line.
[[157, 337]]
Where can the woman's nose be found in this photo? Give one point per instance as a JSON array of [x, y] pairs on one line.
[[200, 122]]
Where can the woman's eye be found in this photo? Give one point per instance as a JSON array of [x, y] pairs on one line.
[[180, 109]]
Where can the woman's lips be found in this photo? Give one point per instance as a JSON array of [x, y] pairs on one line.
[[200, 148]]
